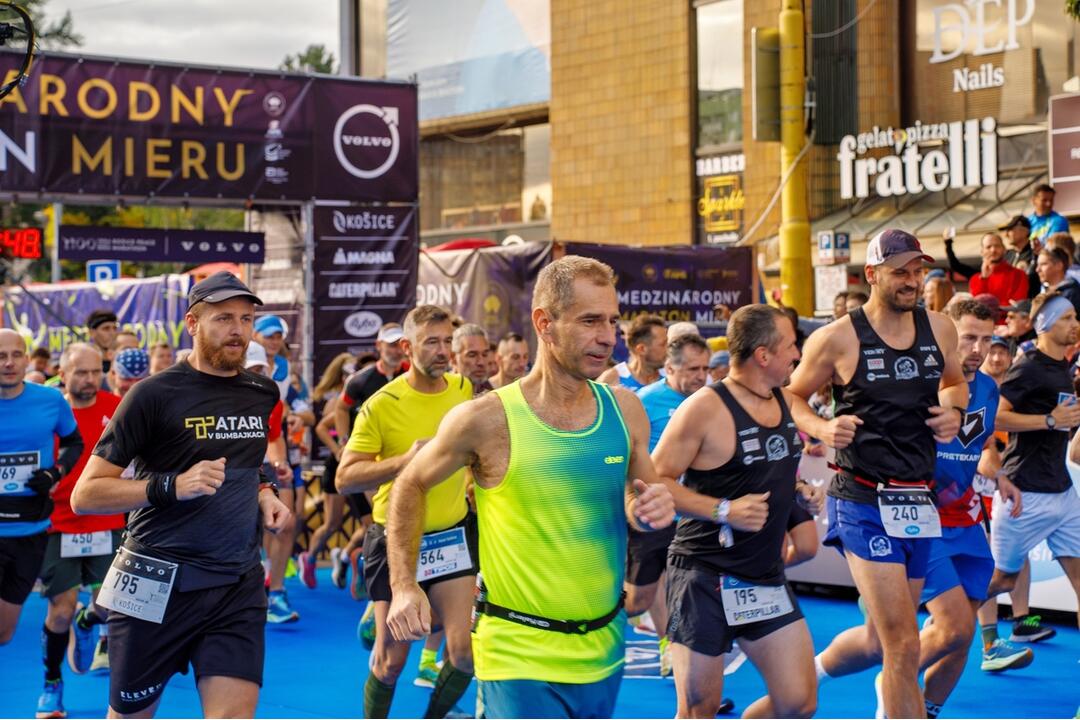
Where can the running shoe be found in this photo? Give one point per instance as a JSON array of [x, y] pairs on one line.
[[879, 693], [1003, 655], [290, 568], [733, 660], [80, 649], [307, 569], [101, 658], [365, 629], [51, 702], [1030, 629], [456, 713], [278, 610], [358, 588], [339, 569], [426, 677], [727, 706], [665, 656], [643, 623]]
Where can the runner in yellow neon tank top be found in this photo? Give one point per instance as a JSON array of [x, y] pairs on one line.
[[392, 425], [561, 463]]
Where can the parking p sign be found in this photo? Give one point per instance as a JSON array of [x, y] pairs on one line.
[[102, 270]]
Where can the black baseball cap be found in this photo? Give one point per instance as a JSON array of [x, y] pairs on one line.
[[219, 287], [1016, 220], [895, 248], [1020, 306]]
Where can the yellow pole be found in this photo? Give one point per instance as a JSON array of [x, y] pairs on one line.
[[796, 270]]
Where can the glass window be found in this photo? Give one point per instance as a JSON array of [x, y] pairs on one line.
[[720, 72]]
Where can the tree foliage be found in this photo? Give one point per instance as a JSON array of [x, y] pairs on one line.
[[316, 58]]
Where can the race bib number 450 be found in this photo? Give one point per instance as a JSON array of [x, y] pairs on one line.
[[15, 470], [138, 586], [93, 544], [443, 553]]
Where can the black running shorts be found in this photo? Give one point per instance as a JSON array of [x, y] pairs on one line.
[[20, 563], [219, 631], [646, 555], [60, 574], [377, 567], [697, 613]]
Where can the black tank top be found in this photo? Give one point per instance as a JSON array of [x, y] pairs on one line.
[[765, 460], [891, 392]]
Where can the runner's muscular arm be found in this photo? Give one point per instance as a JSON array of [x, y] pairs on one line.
[[452, 448], [648, 498], [818, 366], [361, 472], [100, 490], [953, 390], [680, 445]]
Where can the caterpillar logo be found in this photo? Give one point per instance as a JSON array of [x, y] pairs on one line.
[[613, 459], [202, 426]]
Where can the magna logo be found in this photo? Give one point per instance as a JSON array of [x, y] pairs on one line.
[[366, 140], [363, 324]]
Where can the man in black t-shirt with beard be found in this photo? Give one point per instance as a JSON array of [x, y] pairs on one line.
[[186, 586]]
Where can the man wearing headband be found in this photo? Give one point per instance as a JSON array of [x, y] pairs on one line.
[[129, 367], [1039, 408], [899, 387]]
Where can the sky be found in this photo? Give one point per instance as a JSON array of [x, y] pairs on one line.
[[243, 33]]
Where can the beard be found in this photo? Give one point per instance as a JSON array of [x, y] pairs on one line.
[[896, 303], [84, 393], [217, 355]]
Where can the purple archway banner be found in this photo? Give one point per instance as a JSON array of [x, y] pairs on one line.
[[680, 283], [94, 126], [54, 317]]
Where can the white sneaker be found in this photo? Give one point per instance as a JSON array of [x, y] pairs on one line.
[[733, 660], [879, 711]]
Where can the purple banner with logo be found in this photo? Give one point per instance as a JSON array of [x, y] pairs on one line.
[[79, 242], [491, 287], [681, 283], [94, 126], [365, 275], [152, 308]]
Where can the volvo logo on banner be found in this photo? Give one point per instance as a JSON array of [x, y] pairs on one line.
[[366, 140], [964, 155]]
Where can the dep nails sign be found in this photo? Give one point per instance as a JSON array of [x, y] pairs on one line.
[[96, 126]]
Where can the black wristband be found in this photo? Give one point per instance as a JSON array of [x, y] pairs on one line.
[[161, 490]]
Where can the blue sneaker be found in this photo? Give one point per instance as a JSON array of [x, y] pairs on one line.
[[80, 649], [365, 629], [278, 610], [51, 702], [1003, 655]]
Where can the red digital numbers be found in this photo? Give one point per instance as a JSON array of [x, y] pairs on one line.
[[21, 243]]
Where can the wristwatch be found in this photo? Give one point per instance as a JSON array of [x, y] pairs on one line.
[[720, 512], [1051, 423]]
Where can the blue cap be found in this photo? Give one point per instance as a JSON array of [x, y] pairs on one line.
[[132, 363], [1003, 342], [720, 357], [935, 273], [270, 324]]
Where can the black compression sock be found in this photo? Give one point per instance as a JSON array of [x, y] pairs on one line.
[[449, 688], [377, 697], [53, 647]]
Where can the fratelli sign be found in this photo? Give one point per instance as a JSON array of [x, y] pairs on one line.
[[924, 157], [91, 126]]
